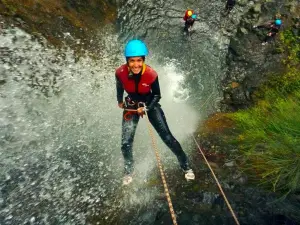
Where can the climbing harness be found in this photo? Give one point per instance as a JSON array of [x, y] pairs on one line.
[[131, 108], [129, 113], [159, 164], [219, 186]]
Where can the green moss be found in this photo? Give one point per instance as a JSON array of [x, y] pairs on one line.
[[269, 133], [10, 9], [291, 46]]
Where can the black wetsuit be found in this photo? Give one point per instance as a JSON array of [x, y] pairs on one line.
[[188, 23], [157, 119], [273, 30], [229, 5]]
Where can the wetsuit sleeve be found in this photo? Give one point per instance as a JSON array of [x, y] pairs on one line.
[[155, 89], [120, 90]]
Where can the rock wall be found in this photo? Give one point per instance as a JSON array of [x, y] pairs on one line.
[[74, 22], [249, 62]]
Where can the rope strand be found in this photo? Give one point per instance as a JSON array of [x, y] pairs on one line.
[[216, 179], [161, 171]]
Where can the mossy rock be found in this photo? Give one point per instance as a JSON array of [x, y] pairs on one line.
[[82, 19]]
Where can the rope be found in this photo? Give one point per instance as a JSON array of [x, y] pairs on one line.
[[161, 171], [221, 190], [131, 110], [163, 175]]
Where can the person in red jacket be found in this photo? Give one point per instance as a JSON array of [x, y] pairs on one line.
[[140, 82], [189, 18]]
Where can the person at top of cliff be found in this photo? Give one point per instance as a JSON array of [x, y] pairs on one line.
[[189, 18], [273, 28], [140, 82], [229, 5]]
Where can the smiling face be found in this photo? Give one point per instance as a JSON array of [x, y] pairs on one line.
[[135, 64]]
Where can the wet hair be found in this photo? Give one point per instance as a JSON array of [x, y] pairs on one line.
[[143, 57]]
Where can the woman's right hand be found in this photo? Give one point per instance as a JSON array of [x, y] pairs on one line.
[[121, 105]]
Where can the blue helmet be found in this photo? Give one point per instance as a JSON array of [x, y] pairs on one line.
[[135, 48], [194, 16], [278, 22]]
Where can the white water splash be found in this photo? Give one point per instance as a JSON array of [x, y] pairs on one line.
[[60, 131]]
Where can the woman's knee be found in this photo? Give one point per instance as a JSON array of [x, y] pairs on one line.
[[170, 140]]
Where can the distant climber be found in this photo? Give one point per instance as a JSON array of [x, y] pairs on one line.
[[189, 18], [229, 5], [273, 28]]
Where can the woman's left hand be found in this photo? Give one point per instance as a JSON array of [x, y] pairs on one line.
[[141, 111]]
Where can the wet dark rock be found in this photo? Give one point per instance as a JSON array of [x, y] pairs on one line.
[[248, 60], [82, 19]]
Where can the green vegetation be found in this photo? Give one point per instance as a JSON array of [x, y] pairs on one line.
[[269, 133], [270, 141]]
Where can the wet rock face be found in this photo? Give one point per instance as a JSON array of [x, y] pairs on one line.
[[249, 62], [200, 56], [56, 19]]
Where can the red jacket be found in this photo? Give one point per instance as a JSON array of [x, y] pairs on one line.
[[147, 78], [186, 16]]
